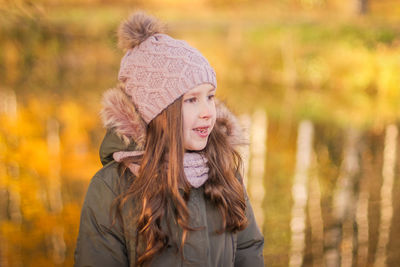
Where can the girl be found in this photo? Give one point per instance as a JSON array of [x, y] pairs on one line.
[[170, 192]]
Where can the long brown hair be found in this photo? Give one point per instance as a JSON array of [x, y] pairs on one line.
[[157, 186]]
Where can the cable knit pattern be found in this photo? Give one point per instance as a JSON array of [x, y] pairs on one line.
[[194, 164], [196, 169], [161, 69]]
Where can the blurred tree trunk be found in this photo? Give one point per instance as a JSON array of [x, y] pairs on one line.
[[258, 150], [300, 192], [386, 214], [3, 191], [340, 237], [362, 7], [362, 209], [54, 190], [316, 220], [10, 186]]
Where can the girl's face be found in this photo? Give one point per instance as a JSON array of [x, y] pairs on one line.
[[198, 110]]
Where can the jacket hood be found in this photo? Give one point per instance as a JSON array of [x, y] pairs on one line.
[[126, 130]]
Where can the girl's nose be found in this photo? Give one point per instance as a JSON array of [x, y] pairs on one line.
[[205, 110]]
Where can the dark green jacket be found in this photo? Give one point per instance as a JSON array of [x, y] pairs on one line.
[[99, 244]]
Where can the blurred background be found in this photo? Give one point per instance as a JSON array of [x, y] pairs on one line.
[[315, 83]]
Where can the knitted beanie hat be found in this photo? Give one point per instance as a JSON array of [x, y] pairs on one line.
[[157, 69]]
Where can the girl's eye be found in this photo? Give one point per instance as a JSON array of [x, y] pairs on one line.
[[210, 97], [190, 100]]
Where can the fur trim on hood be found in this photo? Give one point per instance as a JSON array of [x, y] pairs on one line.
[[120, 115]]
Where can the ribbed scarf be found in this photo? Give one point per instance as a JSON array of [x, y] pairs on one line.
[[194, 165]]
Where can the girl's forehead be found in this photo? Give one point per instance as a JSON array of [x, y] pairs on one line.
[[202, 88]]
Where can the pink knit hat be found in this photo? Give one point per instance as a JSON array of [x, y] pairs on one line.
[[157, 69]]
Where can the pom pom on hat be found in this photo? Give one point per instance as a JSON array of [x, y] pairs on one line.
[[136, 29]]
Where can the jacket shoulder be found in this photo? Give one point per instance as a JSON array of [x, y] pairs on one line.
[[109, 176]]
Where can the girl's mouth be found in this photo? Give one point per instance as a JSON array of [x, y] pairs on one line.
[[202, 131]]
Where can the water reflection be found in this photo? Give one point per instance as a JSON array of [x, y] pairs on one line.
[[325, 189]]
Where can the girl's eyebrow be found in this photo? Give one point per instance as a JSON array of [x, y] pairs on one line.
[[197, 93]]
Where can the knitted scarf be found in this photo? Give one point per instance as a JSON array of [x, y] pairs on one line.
[[194, 165]]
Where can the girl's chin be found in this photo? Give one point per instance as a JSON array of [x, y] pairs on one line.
[[196, 147]]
